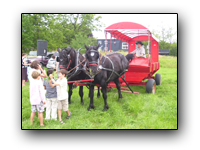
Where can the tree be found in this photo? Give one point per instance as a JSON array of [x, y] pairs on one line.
[[173, 49], [81, 39], [165, 34], [27, 33], [57, 29], [166, 40], [82, 23]]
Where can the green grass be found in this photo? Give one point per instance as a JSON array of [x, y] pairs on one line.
[[143, 111]]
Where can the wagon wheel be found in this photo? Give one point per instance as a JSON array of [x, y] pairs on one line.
[[151, 86], [158, 79], [109, 89]]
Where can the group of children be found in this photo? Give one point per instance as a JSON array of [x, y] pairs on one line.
[[56, 94]]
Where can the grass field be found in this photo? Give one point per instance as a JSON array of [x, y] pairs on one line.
[[143, 111]]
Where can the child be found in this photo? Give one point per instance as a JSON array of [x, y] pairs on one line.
[[51, 95], [35, 66], [62, 95], [37, 97]]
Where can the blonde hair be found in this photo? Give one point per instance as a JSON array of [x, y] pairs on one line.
[[35, 74]]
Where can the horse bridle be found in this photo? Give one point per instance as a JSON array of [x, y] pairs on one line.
[[68, 58], [96, 63]]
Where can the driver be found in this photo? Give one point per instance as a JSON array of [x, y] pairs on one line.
[[139, 51]]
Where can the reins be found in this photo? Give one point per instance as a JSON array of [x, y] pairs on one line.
[[77, 65]]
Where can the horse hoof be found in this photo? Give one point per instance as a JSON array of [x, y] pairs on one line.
[[91, 106], [106, 108], [119, 99], [69, 102], [82, 103], [98, 96]]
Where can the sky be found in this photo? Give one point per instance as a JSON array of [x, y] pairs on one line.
[[151, 21]]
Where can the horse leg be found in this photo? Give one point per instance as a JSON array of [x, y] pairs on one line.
[[81, 94], [89, 92], [98, 93], [91, 97], [118, 88], [70, 92], [104, 91]]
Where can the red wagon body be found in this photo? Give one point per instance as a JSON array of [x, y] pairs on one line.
[[139, 68]]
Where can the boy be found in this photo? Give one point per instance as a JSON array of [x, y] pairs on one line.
[[51, 95], [37, 97], [62, 95]]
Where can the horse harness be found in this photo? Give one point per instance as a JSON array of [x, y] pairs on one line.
[[100, 66], [76, 70]]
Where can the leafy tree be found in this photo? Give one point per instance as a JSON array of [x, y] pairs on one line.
[[165, 37], [82, 23], [27, 33], [81, 39], [173, 49], [59, 30]]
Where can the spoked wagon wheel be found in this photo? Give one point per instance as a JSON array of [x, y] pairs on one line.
[[158, 79], [151, 86], [109, 89]]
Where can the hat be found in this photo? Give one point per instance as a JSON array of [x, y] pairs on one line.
[[139, 42]]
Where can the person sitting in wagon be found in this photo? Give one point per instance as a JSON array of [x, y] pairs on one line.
[[139, 51]]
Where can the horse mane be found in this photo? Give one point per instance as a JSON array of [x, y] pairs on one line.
[[75, 53]]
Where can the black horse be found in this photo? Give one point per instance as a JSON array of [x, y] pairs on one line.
[[73, 62], [105, 69]]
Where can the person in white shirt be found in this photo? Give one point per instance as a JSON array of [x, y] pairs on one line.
[[52, 63], [37, 97], [62, 95], [140, 51]]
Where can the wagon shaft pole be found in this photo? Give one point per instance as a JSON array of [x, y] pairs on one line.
[[120, 77]]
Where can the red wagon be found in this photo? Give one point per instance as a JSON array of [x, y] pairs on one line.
[[139, 68]]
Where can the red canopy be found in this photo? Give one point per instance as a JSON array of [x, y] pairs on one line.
[[126, 25], [126, 31]]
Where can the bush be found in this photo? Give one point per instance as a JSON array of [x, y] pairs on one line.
[[173, 49], [82, 51]]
